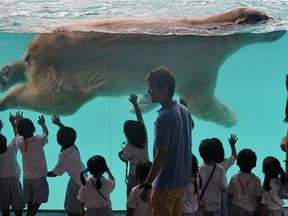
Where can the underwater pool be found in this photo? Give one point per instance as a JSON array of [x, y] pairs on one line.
[[251, 81]]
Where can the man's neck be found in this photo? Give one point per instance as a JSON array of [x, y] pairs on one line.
[[166, 101]]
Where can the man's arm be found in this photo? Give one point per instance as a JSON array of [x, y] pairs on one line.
[[158, 162]]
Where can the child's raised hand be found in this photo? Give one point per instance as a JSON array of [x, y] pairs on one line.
[[41, 120], [183, 102], [133, 98], [233, 139], [56, 119], [14, 119]]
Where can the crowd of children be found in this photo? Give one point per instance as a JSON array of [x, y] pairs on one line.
[[207, 194]]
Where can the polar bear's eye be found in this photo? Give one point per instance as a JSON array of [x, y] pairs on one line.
[[5, 71]]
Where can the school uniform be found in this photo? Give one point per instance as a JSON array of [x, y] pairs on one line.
[[69, 161], [97, 202], [11, 193], [272, 199], [35, 185], [134, 201], [217, 184], [245, 187], [190, 201]]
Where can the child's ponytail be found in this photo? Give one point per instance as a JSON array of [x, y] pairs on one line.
[[82, 178]]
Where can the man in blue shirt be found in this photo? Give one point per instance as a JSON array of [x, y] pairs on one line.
[[171, 168]]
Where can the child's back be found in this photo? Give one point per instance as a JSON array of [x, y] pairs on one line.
[[245, 189], [218, 181], [31, 148], [135, 205]]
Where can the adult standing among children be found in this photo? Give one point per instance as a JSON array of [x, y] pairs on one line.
[[171, 167]]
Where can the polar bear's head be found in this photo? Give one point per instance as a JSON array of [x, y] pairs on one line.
[[11, 74]]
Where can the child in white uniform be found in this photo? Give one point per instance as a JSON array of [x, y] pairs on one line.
[[135, 205], [190, 202], [245, 188], [35, 185], [226, 163], [271, 203], [69, 161], [218, 183], [94, 193], [136, 149], [11, 193]]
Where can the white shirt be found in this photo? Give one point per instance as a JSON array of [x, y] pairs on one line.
[[69, 161], [245, 197], [33, 156], [271, 198], [190, 202], [134, 201], [8, 162], [227, 162], [134, 155], [218, 183], [89, 195]]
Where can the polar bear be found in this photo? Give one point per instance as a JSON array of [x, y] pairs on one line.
[[61, 71]]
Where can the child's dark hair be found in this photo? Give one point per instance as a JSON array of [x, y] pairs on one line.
[[66, 136], [135, 133], [208, 150], [25, 128], [96, 165], [246, 160], [221, 154], [142, 170], [272, 169], [195, 173], [3, 144]]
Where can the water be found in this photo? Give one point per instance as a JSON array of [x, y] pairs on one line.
[[251, 81]]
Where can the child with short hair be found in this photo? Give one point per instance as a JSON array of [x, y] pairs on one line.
[[35, 185], [94, 193], [214, 185], [135, 205], [11, 193], [245, 188], [191, 196], [136, 148], [271, 203], [70, 162], [226, 163]]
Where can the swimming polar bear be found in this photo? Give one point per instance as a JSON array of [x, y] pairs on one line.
[[61, 71]]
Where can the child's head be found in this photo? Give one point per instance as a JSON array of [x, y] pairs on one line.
[[221, 154], [142, 170], [3, 144], [135, 133], [66, 137], [96, 165], [208, 150], [246, 160], [25, 128], [272, 169]]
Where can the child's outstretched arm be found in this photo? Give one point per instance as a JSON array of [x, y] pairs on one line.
[[56, 120], [232, 141], [41, 122], [14, 120], [110, 176], [133, 99]]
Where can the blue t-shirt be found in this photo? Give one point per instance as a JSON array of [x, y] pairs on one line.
[[173, 127]]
